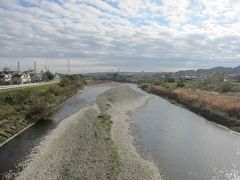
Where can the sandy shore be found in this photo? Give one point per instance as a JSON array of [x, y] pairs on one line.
[[80, 149]]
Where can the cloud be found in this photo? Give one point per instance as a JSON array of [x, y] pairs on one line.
[[170, 34]]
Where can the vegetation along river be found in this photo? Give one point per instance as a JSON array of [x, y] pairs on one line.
[[18, 149], [182, 144]]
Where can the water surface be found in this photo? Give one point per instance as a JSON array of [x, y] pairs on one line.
[[183, 144], [17, 150]]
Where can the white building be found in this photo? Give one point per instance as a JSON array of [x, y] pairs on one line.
[[5, 77]]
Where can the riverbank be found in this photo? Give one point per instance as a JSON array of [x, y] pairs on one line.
[[21, 108], [222, 109], [76, 149], [219, 107], [93, 143]]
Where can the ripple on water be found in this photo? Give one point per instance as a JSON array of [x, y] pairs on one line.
[[185, 145]]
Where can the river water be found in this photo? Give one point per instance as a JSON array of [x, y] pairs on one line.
[[18, 149], [182, 144]]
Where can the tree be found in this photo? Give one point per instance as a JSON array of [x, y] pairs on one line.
[[71, 80], [180, 83], [225, 87], [216, 77], [169, 78], [47, 76], [6, 70], [115, 75]]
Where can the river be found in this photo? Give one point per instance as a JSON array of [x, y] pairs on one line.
[[182, 144], [18, 149]]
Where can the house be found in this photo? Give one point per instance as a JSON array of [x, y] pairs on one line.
[[36, 77], [56, 76], [21, 78], [5, 77]]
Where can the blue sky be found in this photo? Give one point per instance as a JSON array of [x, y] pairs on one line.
[[133, 35]]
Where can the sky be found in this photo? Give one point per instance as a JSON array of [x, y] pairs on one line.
[[125, 35]]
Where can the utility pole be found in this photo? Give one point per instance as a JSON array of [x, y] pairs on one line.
[[68, 66], [18, 66], [35, 67], [46, 72]]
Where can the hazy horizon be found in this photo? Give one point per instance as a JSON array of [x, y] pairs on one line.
[[87, 66]]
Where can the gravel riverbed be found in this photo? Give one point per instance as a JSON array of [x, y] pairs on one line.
[[123, 100], [79, 149]]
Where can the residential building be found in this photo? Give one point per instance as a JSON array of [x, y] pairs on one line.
[[5, 77], [35, 77], [21, 78]]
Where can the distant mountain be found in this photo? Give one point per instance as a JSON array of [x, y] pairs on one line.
[[199, 72], [226, 70]]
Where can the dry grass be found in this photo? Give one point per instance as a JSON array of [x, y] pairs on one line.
[[229, 103], [226, 103]]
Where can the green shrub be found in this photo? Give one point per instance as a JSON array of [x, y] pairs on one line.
[[180, 83], [71, 80], [36, 112], [169, 79], [225, 87], [8, 99], [105, 121], [143, 86], [21, 96], [54, 90]]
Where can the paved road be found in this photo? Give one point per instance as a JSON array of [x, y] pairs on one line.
[[25, 85]]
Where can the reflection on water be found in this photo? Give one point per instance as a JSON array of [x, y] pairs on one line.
[[17, 149], [185, 145], [182, 144]]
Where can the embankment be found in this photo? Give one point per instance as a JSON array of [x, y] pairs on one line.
[[218, 108], [21, 108]]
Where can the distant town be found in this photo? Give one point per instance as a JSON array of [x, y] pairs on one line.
[[225, 73], [11, 77]]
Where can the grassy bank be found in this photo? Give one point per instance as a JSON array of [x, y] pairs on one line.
[[223, 109], [21, 107], [217, 101]]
